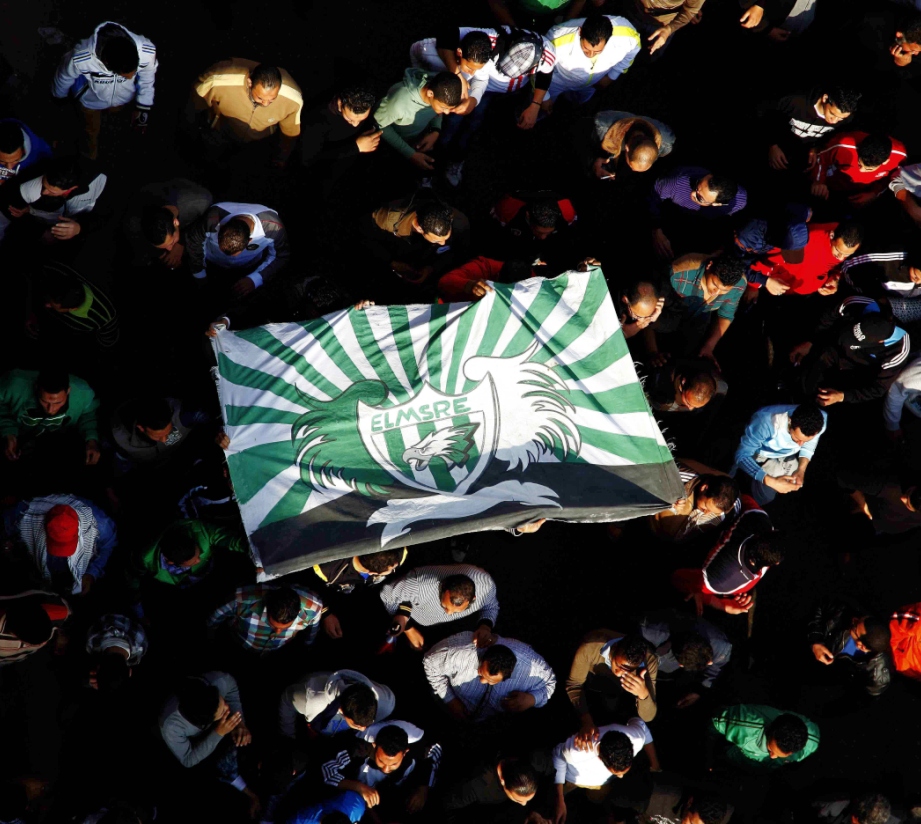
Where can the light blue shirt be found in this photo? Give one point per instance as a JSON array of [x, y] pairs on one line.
[[767, 436]]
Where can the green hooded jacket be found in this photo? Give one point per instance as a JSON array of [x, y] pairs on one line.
[[20, 414], [404, 115]]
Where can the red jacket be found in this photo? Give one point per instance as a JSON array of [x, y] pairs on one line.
[[509, 207], [836, 165], [452, 286], [816, 268]]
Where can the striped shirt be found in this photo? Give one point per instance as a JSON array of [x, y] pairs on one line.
[[687, 281], [248, 618], [117, 631], [418, 595], [838, 168], [451, 668], [94, 316]]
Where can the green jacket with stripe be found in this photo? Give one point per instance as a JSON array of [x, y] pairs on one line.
[[744, 726]]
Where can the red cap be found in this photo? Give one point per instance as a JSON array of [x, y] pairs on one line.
[[62, 528]]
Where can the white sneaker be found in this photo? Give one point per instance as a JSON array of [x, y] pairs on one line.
[[454, 173]]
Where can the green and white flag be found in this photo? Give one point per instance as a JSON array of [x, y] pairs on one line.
[[404, 424]]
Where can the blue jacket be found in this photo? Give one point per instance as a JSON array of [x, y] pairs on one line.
[[350, 803], [767, 436], [36, 150]]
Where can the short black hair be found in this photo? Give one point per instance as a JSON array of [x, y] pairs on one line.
[[845, 98], [874, 149], [447, 88], [198, 701], [52, 379], [461, 588], [358, 97], [789, 732], [616, 751], [808, 418], [68, 291], [269, 77], [519, 776], [710, 808], [157, 224], [11, 137], [728, 268], [14, 800], [359, 704], [378, 562], [544, 212], [871, 808], [112, 673], [282, 604], [392, 740], [120, 55], [642, 288], [878, 636], [29, 622], [634, 648], [63, 172], [176, 546], [476, 46], [280, 764], [911, 30], [513, 271], [725, 188], [499, 659], [765, 550], [153, 412], [435, 217], [722, 490], [233, 236], [692, 651], [596, 29], [851, 232]]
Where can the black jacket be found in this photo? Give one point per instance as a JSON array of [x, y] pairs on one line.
[[831, 625]]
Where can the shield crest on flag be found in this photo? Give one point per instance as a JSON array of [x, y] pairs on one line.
[[434, 442]]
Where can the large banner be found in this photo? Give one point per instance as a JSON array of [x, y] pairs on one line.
[[404, 424]]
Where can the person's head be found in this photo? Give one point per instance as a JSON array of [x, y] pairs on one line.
[[62, 531], [716, 494], [112, 673], [640, 299], [63, 292], [120, 55], [52, 388], [870, 808], [628, 655], [443, 92], [358, 705], [871, 329], [907, 40], [806, 421], [233, 236], [355, 103], [496, 665], [390, 747], [13, 800], [200, 703], [786, 735], [475, 51], [513, 271], [837, 104], [616, 753], [29, 622], [264, 84], [723, 273], [160, 227], [12, 144], [594, 34], [704, 808], [381, 563], [765, 550], [692, 651], [284, 761], [543, 216], [433, 220], [518, 780], [871, 634], [845, 239], [62, 177], [154, 419], [694, 388], [457, 593], [714, 190], [179, 549], [282, 606], [873, 151], [640, 151]]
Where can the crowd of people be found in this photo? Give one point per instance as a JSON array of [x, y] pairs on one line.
[[769, 292]]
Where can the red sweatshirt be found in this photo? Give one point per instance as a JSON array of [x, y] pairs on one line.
[[837, 167], [816, 267], [452, 286]]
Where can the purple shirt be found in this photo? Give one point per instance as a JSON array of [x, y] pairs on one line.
[[677, 187]]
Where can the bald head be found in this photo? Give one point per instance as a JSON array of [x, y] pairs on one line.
[[641, 154]]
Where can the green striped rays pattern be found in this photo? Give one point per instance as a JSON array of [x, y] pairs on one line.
[[444, 409]]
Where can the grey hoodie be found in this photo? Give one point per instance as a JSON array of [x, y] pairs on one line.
[[404, 115]]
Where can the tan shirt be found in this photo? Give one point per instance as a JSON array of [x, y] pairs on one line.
[[222, 89], [590, 665], [685, 10]]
